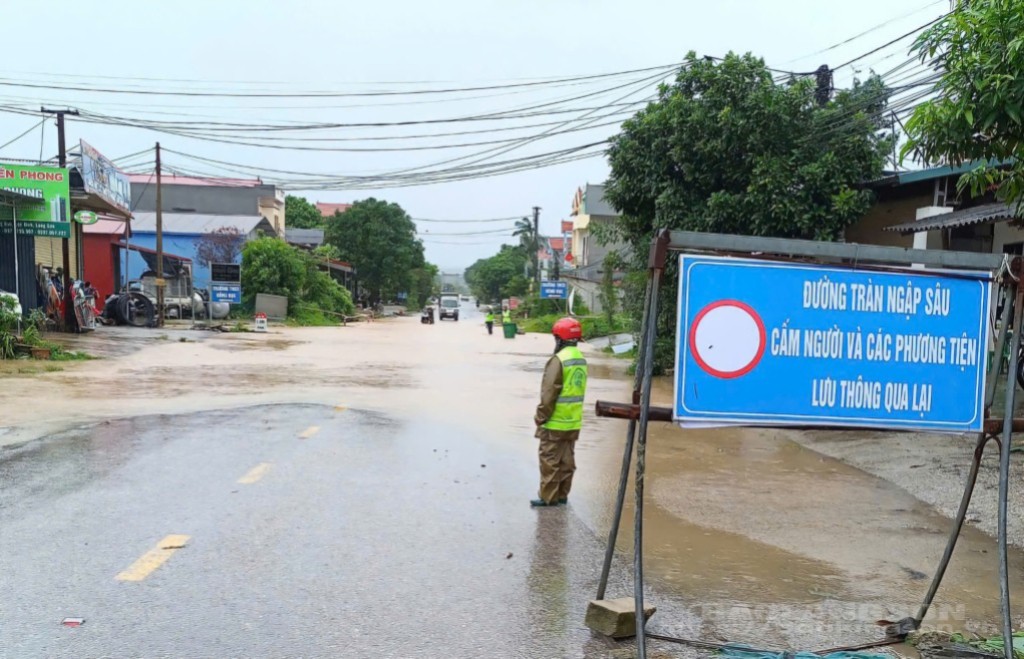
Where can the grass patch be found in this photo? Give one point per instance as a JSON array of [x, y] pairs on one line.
[[53, 368], [307, 317], [59, 354], [593, 326]]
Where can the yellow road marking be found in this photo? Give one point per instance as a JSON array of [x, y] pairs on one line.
[[309, 432], [340, 408], [254, 474], [153, 558]]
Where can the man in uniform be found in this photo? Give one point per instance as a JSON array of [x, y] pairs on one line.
[[489, 320], [560, 414], [506, 316]]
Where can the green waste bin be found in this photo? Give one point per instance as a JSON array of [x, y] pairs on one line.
[[510, 330]]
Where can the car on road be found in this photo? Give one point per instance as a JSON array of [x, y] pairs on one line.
[[448, 307]]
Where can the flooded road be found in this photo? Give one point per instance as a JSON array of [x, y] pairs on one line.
[[386, 531]]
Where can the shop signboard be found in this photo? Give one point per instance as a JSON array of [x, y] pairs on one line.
[[86, 217], [230, 293], [776, 343], [554, 290], [103, 179], [225, 272], [50, 190]]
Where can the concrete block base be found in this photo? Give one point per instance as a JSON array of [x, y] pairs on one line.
[[615, 618]]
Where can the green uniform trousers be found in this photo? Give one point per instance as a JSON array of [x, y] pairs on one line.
[[557, 462]]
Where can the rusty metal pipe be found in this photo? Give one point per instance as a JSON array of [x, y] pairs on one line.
[[631, 412]]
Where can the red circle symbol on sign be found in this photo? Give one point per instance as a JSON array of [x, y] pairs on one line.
[[727, 339]]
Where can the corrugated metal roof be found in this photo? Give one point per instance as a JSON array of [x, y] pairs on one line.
[[304, 236], [961, 218], [929, 174], [199, 223], [196, 180]]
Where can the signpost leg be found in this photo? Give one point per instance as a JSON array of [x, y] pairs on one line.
[[958, 525], [17, 276], [650, 332], [1004, 471], [1007, 300], [627, 455]]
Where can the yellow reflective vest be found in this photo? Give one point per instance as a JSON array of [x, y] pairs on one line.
[[506, 316], [568, 413]]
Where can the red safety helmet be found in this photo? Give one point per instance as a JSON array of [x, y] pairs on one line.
[[568, 329]]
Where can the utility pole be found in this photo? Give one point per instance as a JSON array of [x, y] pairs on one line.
[[536, 247], [62, 160], [159, 244], [823, 85]]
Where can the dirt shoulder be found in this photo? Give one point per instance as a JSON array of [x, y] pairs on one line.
[[932, 468]]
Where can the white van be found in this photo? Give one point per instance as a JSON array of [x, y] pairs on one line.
[[448, 306]]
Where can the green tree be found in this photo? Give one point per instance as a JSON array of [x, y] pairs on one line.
[[272, 266], [379, 239], [978, 115], [609, 295], [321, 292], [492, 278], [529, 240], [727, 149], [423, 285], [301, 214], [327, 252]]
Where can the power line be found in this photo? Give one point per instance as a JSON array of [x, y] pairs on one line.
[[491, 219], [7, 144], [507, 231], [893, 42], [866, 32], [10, 82]]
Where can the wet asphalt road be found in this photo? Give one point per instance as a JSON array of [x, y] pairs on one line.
[[354, 535]]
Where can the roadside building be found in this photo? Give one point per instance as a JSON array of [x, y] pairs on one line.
[[591, 210], [184, 235], [308, 239], [101, 248], [922, 209], [342, 272], [585, 251], [211, 196], [328, 209]]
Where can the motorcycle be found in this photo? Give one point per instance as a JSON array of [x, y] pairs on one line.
[[427, 317]]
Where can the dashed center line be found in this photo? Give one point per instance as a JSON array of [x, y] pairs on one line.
[[254, 474], [153, 558], [309, 432]]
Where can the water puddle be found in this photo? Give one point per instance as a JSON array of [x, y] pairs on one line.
[[774, 540]]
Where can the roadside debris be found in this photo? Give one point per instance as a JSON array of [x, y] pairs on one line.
[[944, 644], [132, 308], [73, 622]]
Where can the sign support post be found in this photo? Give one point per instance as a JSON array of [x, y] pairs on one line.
[[856, 261]]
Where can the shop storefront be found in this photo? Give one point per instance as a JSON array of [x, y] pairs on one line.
[[34, 206]]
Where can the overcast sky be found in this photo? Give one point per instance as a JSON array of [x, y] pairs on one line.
[[343, 46]]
